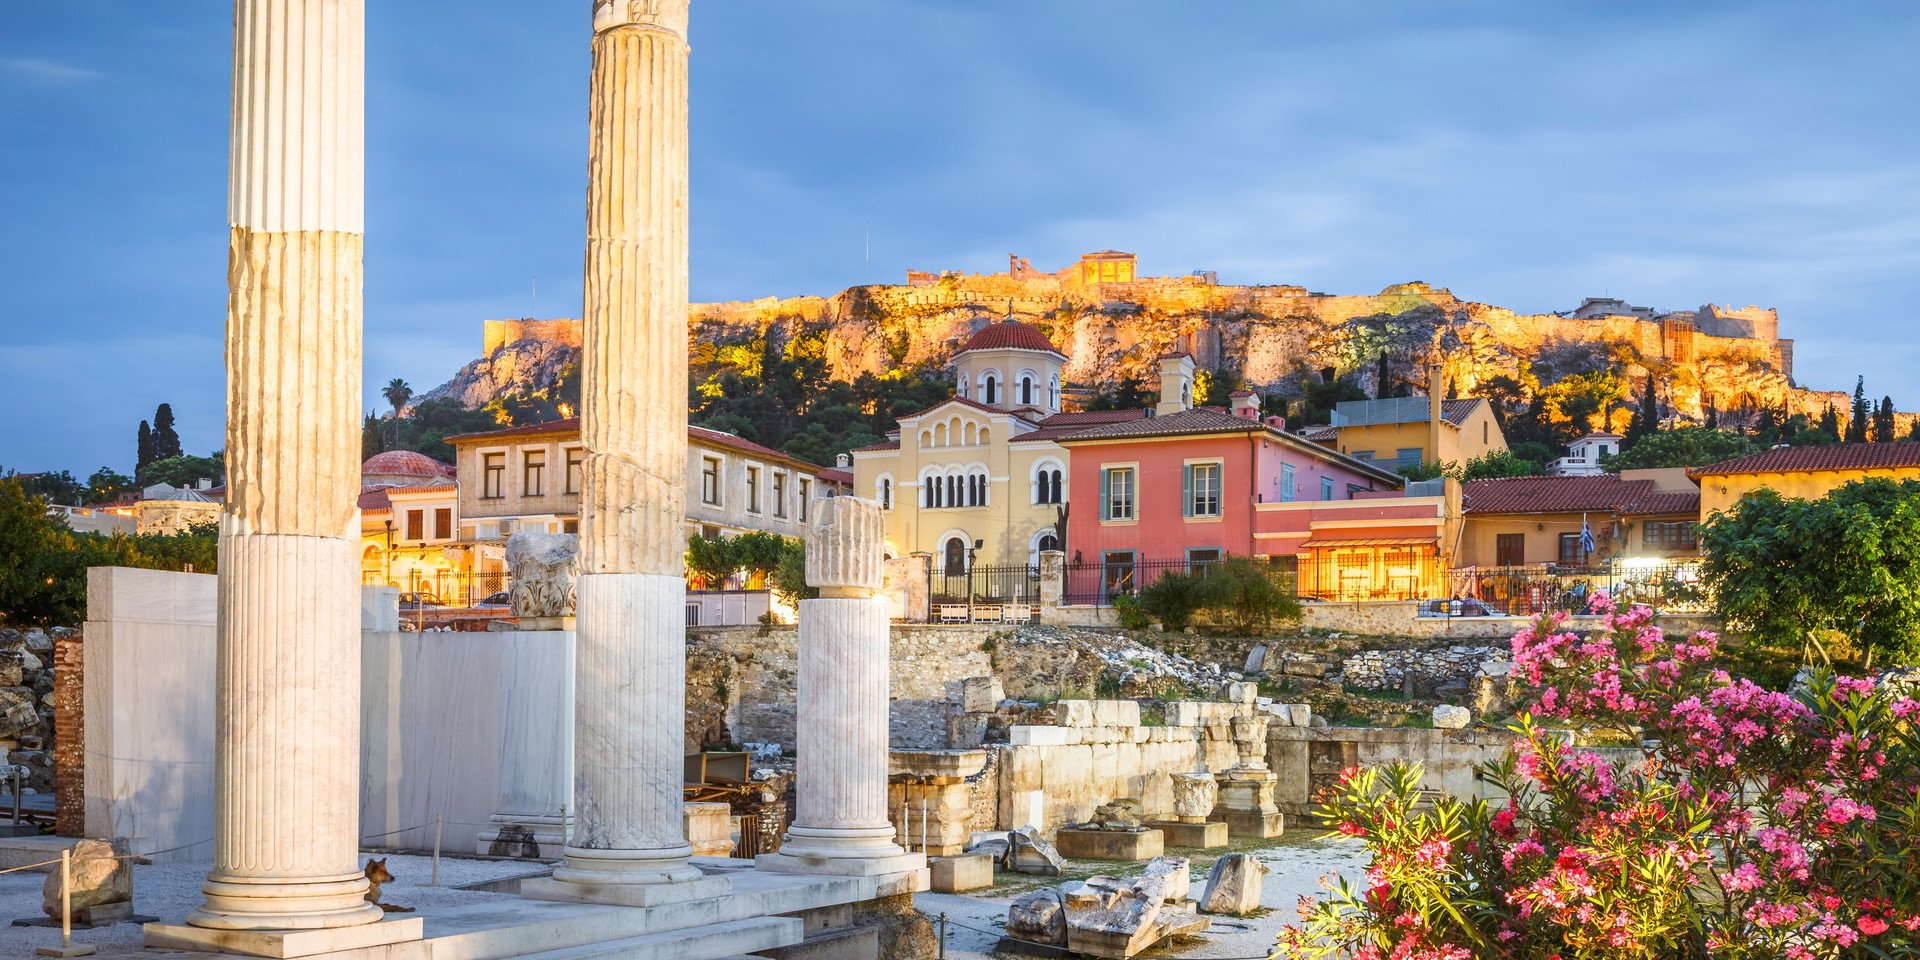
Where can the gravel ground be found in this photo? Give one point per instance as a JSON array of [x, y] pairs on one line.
[[1296, 867], [168, 891]]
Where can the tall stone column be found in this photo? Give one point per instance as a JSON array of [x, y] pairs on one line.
[[629, 841], [841, 824], [287, 707]]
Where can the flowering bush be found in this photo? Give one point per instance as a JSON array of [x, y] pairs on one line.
[[1747, 823]]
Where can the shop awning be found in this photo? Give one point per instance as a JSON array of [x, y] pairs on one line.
[[1316, 544]]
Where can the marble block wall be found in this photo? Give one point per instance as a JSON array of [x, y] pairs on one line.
[[149, 709]]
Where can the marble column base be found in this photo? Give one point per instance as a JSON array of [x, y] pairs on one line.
[[308, 903], [626, 894], [283, 944]]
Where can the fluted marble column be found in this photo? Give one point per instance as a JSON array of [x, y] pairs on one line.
[[287, 709], [629, 840], [841, 823]]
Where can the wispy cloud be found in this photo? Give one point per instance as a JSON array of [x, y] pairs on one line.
[[47, 72]]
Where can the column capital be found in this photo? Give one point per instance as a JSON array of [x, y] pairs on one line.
[[846, 543], [667, 15]]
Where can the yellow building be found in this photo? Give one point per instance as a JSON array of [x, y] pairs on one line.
[[1400, 432], [410, 530], [980, 473], [1807, 473]]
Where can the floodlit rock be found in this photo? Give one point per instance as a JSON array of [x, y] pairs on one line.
[[100, 877], [1039, 916], [1449, 717], [1029, 852], [1234, 885]]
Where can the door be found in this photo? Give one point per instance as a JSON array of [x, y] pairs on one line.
[[1510, 550]]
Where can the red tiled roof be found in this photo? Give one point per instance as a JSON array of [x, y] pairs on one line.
[[1319, 433], [403, 463], [1185, 422], [966, 402], [373, 498], [741, 444], [448, 487], [1011, 335], [878, 447], [568, 425], [836, 475], [1070, 424], [1605, 493], [1815, 459]]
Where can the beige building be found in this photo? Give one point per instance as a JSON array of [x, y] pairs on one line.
[[1807, 473], [1400, 432], [1648, 515], [529, 477], [982, 471], [410, 530]]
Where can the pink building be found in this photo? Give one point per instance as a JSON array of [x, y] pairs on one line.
[[1189, 486]]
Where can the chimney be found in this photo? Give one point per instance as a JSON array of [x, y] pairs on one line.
[[1176, 384], [204, 483], [843, 461], [1436, 397], [1278, 423], [1244, 404]]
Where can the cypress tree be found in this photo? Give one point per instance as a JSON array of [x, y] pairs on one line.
[[144, 448], [166, 443], [1883, 423], [1830, 423], [1713, 416], [1861, 413], [1385, 376], [1646, 418]]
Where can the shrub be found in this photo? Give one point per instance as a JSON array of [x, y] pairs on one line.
[[1176, 597], [1753, 824], [1244, 594], [1126, 606]]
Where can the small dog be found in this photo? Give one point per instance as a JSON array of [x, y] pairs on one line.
[[377, 874]]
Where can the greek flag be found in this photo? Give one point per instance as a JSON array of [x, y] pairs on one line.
[[1586, 536]]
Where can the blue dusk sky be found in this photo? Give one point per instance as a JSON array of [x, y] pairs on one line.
[[1521, 153]]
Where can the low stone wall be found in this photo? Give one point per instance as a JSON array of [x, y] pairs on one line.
[[1308, 760], [1425, 670], [1402, 619]]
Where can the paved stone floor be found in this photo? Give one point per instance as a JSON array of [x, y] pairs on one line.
[[1296, 867], [168, 891]]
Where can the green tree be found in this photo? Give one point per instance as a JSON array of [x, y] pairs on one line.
[[1864, 587], [397, 393], [1830, 424], [166, 442], [1679, 447], [182, 471], [56, 487], [1713, 416], [1245, 594], [1174, 598], [1425, 470], [711, 560], [107, 484], [1500, 463], [1646, 416], [143, 447], [1505, 394], [788, 578], [1861, 413], [1885, 430]]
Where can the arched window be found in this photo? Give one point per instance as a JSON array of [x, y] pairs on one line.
[[883, 492], [1048, 482], [956, 558], [1053, 392], [1026, 390], [940, 435], [953, 491], [973, 432], [926, 439], [987, 390], [963, 386]]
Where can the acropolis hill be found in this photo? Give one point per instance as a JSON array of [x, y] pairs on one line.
[[1113, 324]]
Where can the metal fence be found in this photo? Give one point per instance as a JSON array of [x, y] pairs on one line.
[[443, 588], [1669, 586], [1097, 584], [985, 593]]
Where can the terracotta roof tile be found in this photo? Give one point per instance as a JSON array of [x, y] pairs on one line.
[[878, 447], [836, 475], [571, 425], [1814, 459], [1011, 335], [1185, 422], [1606, 493]]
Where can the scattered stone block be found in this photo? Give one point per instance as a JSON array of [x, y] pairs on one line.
[[1039, 917], [1073, 713], [1305, 668], [1029, 852], [1242, 693], [1449, 717], [1137, 844], [1192, 836], [981, 694], [1256, 659], [709, 829], [968, 871], [1234, 885], [1109, 918], [1300, 714], [100, 877]]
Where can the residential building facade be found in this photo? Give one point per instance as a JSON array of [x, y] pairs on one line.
[[1583, 455], [1402, 432], [1808, 473], [1648, 515]]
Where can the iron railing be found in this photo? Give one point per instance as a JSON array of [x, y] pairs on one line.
[[1668, 586], [442, 588], [994, 593]]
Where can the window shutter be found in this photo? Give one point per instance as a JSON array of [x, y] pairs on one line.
[[1186, 490], [1106, 498]]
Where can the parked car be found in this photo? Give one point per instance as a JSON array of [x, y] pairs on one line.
[[418, 601], [493, 601]]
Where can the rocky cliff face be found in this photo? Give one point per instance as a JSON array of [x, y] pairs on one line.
[[1272, 336]]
